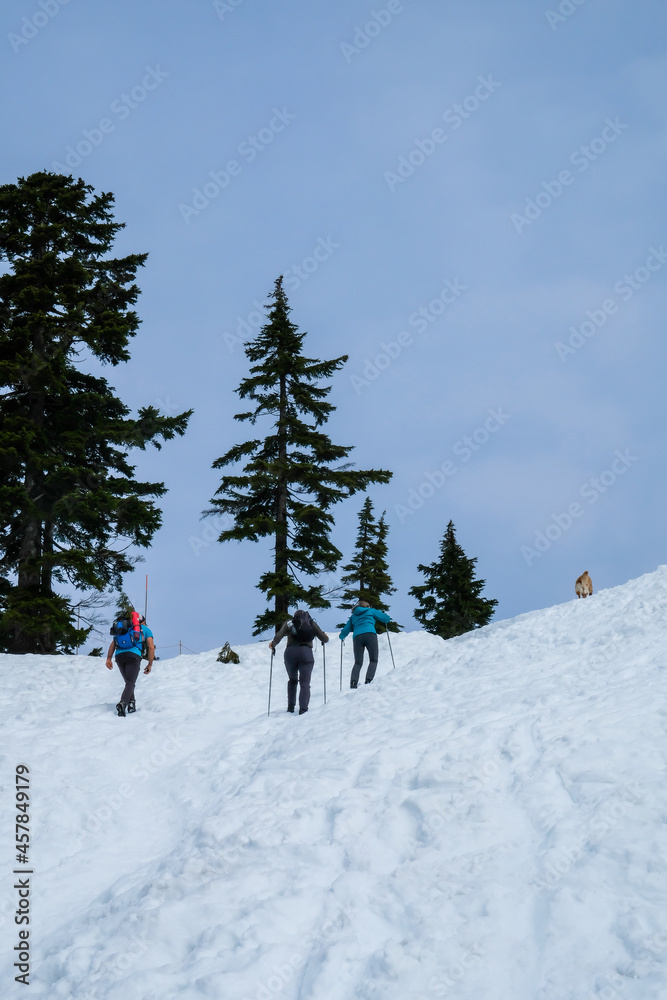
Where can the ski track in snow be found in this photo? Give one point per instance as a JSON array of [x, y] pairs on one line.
[[485, 821]]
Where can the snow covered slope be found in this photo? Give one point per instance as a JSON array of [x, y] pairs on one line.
[[485, 821]]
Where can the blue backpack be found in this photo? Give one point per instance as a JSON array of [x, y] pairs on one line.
[[124, 636]]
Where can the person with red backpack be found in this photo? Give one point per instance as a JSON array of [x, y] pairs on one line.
[[130, 634], [299, 660]]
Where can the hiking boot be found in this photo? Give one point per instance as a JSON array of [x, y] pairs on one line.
[[353, 684], [367, 681], [120, 708], [302, 711], [131, 706], [290, 709]]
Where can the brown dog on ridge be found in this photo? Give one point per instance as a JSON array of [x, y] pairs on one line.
[[584, 585]]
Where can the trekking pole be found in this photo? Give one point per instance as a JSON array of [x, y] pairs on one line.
[[341, 664], [273, 653], [324, 665], [390, 649]]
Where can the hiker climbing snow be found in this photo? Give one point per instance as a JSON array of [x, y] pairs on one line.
[[362, 624], [132, 640], [299, 660]]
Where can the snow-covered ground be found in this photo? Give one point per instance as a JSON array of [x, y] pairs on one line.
[[485, 821]]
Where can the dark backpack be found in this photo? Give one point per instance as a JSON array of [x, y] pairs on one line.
[[301, 627], [124, 634]]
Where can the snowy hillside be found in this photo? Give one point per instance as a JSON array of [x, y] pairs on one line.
[[485, 821]]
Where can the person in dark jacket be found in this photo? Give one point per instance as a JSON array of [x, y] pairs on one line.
[[299, 659], [362, 625]]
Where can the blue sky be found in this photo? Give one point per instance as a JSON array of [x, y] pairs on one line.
[[466, 197]]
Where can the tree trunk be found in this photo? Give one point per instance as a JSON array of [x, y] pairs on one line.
[[362, 563], [281, 563], [46, 583], [31, 548], [30, 555]]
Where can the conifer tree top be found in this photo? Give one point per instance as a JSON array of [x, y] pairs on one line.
[[367, 574], [57, 234], [293, 475], [450, 601]]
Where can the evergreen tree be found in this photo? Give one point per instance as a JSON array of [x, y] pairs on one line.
[[292, 477], [449, 600], [69, 503], [368, 573], [124, 607]]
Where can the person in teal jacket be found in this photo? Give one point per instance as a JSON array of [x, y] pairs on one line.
[[362, 625]]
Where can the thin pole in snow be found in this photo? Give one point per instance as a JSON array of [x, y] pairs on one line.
[[324, 665], [390, 649], [270, 679], [341, 664]]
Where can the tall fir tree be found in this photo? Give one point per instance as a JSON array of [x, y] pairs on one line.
[[69, 503], [449, 601], [367, 573], [295, 475]]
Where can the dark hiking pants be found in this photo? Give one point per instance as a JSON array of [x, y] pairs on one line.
[[129, 665], [299, 662], [369, 641]]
